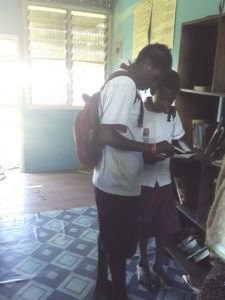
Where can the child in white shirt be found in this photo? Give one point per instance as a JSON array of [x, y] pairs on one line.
[[159, 217]]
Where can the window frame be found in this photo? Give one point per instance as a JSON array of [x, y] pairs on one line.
[[14, 38], [68, 105]]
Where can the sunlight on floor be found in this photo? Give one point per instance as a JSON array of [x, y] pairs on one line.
[[10, 140]]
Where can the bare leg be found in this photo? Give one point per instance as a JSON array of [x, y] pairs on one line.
[[143, 271], [158, 266]]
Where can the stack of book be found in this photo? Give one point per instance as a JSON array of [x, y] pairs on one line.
[[209, 139], [199, 133]]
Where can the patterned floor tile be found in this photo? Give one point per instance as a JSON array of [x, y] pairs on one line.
[[33, 290], [53, 255], [76, 285]]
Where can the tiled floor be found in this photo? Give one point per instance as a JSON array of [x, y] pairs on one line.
[[48, 232], [53, 255]]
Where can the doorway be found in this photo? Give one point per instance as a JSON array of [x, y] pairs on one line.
[[10, 139]]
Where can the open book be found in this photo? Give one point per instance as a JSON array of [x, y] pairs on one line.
[[183, 151], [214, 150]]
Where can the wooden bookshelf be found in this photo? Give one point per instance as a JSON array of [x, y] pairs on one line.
[[203, 93], [202, 64], [191, 214], [197, 271]]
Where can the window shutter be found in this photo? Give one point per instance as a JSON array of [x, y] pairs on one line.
[[47, 47], [47, 32], [89, 33], [67, 52], [89, 37]]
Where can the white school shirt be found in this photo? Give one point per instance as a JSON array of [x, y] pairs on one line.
[[159, 130], [119, 171]]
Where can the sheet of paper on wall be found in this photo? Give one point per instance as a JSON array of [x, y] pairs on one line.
[[141, 20], [162, 22]]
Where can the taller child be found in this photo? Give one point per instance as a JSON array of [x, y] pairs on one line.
[[117, 177]]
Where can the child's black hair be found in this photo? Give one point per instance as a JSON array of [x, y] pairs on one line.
[[159, 54], [171, 81]]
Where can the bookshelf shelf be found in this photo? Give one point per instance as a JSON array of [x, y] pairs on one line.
[[203, 93], [191, 214], [197, 271], [201, 106]]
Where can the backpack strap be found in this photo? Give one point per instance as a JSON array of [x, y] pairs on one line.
[[126, 73]]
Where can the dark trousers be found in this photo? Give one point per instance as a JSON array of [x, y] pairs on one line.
[[118, 236]]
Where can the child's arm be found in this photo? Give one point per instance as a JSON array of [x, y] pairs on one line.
[[178, 136]]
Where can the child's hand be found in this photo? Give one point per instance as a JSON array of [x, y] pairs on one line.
[[165, 147], [149, 159], [163, 151]]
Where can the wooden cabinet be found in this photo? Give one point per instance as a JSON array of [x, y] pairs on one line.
[[201, 64], [202, 57], [199, 180], [202, 71]]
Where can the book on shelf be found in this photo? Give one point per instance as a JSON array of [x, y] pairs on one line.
[[179, 189], [200, 133], [215, 149], [221, 109], [208, 141]]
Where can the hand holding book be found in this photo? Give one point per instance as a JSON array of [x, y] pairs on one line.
[[181, 147]]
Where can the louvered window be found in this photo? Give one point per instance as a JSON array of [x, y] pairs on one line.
[[67, 51], [89, 40]]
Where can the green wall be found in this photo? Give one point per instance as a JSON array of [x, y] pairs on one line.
[[48, 140], [48, 133], [122, 26], [123, 23], [190, 10]]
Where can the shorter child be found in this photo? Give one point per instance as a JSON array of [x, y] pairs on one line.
[[158, 213]]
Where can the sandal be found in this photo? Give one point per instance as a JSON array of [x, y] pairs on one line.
[[162, 278], [144, 277]]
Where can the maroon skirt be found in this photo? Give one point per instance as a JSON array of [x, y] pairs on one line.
[[158, 212]]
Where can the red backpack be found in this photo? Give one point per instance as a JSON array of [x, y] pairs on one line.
[[86, 127]]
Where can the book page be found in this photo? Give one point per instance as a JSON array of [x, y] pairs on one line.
[[185, 155], [162, 23], [141, 15]]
